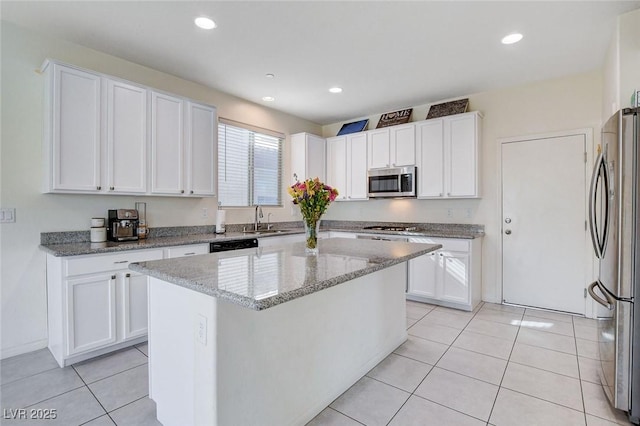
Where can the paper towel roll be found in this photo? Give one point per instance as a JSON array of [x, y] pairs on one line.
[[220, 221]]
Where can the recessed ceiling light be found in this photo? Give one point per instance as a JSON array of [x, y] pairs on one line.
[[268, 98], [512, 38], [205, 23], [269, 75], [336, 90]]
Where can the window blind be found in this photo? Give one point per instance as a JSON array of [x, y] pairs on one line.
[[249, 165]]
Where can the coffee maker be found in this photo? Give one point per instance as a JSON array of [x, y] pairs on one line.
[[123, 225]]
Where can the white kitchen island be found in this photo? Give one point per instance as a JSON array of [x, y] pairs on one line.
[[269, 336]]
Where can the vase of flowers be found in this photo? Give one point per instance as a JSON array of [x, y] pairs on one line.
[[313, 197]]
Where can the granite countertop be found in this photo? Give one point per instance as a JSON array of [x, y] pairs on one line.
[[76, 243], [260, 278]]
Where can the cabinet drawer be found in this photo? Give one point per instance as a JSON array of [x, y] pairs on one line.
[[190, 250], [108, 262], [448, 244]]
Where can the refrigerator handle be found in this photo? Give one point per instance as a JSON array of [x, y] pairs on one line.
[[592, 206], [608, 303]]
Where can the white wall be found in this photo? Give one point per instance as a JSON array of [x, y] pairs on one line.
[[22, 286], [562, 104], [629, 28]]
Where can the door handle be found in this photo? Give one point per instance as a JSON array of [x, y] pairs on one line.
[[507, 231], [608, 303]]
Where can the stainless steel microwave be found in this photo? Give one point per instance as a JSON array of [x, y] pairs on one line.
[[392, 182]]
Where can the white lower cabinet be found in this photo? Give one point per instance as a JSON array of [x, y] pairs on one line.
[[96, 304], [450, 276]]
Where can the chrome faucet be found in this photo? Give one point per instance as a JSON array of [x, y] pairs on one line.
[[258, 216]]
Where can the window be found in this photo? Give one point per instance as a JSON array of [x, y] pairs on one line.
[[249, 166]]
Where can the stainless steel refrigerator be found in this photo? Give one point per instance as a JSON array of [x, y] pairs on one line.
[[613, 216]]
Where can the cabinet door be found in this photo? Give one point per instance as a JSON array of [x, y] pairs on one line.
[[461, 137], [308, 157], [201, 149], [430, 158], [91, 310], [337, 165], [378, 148], [357, 167], [402, 145], [166, 144], [424, 275], [133, 290], [76, 131], [126, 138], [455, 281], [284, 239]]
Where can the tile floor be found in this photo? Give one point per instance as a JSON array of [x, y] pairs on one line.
[[498, 365]]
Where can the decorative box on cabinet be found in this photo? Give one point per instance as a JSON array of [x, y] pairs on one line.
[[308, 156], [347, 166], [450, 276], [448, 156]]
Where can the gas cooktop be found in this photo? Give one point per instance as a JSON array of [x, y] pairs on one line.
[[390, 228]]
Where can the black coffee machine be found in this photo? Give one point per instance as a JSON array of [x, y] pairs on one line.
[[123, 225]]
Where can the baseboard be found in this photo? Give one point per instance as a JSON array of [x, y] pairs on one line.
[[23, 349]]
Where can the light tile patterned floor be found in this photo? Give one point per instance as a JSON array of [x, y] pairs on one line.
[[498, 365]]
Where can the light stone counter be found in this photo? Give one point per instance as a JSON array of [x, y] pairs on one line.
[[260, 278]]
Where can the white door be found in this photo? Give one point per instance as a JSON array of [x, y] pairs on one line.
[[166, 144], [76, 130], [378, 148], [461, 156], [403, 145], [455, 280], [430, 156], [202, 149], [424, 274], [337, 165], [357, 166], [92, 312], [134, 305], [543, 223], [126, 137]]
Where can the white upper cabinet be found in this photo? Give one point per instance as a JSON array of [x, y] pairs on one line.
[[357, 166], [109, 136], [308, 153], [448, 156], [201, 149], [347, 166], [167, 144], [462, 134], [430, 150], [378, 148], [126, 137], [402, 145], [72, 146], [392, 146], [337, 165]]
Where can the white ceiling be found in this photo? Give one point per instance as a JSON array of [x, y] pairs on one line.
[[385, 54]]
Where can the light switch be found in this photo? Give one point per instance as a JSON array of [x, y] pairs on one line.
[[7, 215], [201, 329]]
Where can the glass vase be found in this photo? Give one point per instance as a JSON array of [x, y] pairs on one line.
[[311, 230]]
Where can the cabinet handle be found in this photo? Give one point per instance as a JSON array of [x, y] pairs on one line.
[[122, 261], [190, 253], [182, 191], [448, 194], [128, 275], [111, 188], [98, 188], [190, 192], [441, 194], [441, 254], [113, 277]]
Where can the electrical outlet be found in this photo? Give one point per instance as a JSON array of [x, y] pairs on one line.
[[205, 212], [7, 215], [468, 213], [449, 212], [201, 329]]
